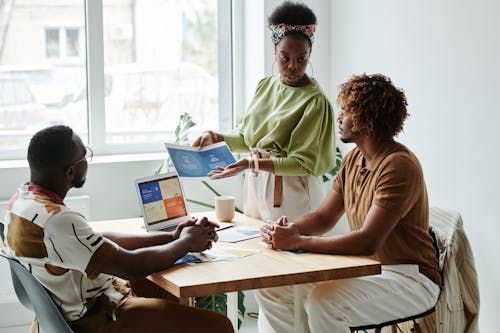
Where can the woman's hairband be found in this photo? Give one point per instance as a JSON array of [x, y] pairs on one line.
[[278, 31]]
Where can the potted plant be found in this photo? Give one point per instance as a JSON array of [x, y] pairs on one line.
[[217, 302]]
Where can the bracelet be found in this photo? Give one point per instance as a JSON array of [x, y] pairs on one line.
[[255, 159], [250, 159]]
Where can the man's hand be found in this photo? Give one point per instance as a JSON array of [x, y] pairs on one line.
[[180, 226], [230, 170], [204, 222], [280, 234], [137, 262], [200, 235]]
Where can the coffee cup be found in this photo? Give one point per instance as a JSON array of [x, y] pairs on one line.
[[224, 208]]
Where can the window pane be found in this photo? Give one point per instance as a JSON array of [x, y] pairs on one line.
[[52, 43], [72, 43], [38, 88], [160, 61]]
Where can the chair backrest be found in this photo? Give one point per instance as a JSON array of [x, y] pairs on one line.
[[457, 308], [21, 294], [34, 297]]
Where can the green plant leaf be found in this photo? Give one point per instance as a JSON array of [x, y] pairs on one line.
[[218, 303], [210, 188], [182, 130], [333, 172], [241, 308], [200, 203], [159, 169]]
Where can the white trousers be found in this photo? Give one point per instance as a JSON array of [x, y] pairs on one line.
[[301, 195], [335, 306]]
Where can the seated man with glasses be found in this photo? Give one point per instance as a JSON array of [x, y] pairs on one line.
[[83, 269]]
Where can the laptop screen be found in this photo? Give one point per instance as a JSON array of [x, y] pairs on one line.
[[161, 198]]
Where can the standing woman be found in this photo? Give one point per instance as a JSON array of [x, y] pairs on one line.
[[288, 127]]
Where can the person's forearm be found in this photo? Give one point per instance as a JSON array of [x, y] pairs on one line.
[[314, 224], [279, 166], [352, 243], [141, 262], [134, 241], [288, 166], [262, 164], [235, 141]]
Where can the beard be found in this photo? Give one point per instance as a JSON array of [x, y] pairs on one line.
[[78, 183], [349, 139]]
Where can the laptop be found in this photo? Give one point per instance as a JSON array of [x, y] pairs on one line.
[[163, 202]]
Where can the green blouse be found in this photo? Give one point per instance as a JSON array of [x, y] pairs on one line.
[[295, 123]]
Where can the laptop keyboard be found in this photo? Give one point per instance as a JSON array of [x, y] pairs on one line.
[[169, 228]]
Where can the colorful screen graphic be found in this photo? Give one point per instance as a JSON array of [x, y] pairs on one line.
[[162, 200]]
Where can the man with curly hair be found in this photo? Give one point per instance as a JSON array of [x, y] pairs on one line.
[[381, 189]]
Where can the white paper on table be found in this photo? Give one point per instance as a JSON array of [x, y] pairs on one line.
[[238, 234]]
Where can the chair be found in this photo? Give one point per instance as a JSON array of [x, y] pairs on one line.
[[457, 309], [395, 323], [34, 297], [411, 323]]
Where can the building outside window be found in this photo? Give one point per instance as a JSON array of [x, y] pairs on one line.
[[147, 62], [63, 43]]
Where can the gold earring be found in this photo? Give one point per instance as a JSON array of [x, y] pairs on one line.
[[312, 69]]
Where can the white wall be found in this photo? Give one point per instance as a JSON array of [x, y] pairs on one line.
[[445, 55]]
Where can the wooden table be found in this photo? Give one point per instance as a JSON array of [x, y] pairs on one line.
[[267, 268]]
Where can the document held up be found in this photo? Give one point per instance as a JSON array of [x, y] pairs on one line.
[[191, 162]]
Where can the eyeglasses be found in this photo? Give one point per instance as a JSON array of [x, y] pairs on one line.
[[88, 156]]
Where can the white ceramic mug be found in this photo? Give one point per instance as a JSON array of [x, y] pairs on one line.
[[224, 208]]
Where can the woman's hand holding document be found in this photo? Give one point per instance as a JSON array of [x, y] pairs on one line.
[[197, 163]]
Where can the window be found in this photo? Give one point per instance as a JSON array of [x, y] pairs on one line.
[[146, 63], [62, 43]]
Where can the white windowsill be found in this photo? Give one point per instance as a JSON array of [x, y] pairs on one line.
[[101, 159]]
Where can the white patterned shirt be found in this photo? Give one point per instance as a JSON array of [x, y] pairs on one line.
[[58, 246]]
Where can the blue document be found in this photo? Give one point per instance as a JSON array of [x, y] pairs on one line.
[[192, 162]]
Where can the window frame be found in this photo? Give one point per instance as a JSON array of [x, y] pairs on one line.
[[96, 85], [92, 47]]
